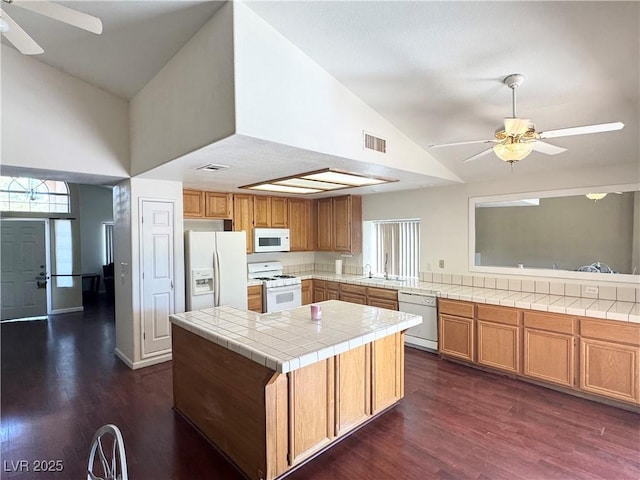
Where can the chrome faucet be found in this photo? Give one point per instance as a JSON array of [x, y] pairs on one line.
[[386, 260]]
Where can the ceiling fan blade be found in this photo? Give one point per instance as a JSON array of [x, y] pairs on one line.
[[547, 148], [565, 132], [19, 38], [461, 143], [63, 14], [516, 126], [478, 155]]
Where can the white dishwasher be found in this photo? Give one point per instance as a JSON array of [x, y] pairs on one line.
[[425, 335]]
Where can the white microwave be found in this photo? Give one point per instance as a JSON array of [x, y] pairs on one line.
[[271, 240]]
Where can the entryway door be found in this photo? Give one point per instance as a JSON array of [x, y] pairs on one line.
[[23, 268], [157, 276]]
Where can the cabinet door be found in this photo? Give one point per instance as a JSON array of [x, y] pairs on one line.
[[387, 374], [193, 203], [312, 225], [383, 303], [261, 211], [610, 369], [298, 224], [333, 291], [353, 298], [217, 205], [499, 346], [325, 224], [311, 409], [307, 292], [254, 298], [243, 217], [353, 388], [457, 337], [319, 293], [549, 356], [279, 212], [342, 223]]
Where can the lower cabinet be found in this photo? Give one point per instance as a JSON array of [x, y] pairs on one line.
[[382, 298], [499, 337], [609, 357], [353, 293], [457, 337], [387, 372], [332, 291], [254, 298], [353, 390], [549, 347], [307, 292], [319, 289]]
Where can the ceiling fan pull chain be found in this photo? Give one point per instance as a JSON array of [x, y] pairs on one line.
[[513, 100]]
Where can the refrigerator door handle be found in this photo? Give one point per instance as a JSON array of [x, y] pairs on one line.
[[216, 279]]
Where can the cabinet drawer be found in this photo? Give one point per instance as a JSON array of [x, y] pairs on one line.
[[611, 330], [332, 286], [382, 293], [551, 322], [355, 289], [506, 315], [457, 308], [319, 284]]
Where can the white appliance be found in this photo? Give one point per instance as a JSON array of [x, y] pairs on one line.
[[270, 240], [215, 269], [425, 335], [279, 292]]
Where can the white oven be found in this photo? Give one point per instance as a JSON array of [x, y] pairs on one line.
[[271, 240], [282, 298]]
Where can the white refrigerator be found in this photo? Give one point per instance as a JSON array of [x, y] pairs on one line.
[[216, 269]]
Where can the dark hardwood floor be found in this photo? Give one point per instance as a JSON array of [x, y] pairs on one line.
[[61, 381]]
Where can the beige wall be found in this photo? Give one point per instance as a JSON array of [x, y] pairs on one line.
[[564, 232], [444, 215]]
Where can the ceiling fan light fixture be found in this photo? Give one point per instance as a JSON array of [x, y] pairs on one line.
[[512, 151], [595, 196]]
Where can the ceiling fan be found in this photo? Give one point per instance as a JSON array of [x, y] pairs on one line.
[[518, 138], [21, 39]]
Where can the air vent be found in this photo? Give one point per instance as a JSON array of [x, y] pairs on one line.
[[212, 167], [372, 142]]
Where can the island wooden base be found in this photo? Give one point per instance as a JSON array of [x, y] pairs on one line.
[[267, 422]]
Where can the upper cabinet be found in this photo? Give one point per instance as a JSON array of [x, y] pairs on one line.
[[193, 203], [270, 212], [302, 216], [340, 224], [218, 205], [243, 210]]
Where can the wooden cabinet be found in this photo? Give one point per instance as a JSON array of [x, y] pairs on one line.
[[353, 293], [270, 212], [311, 409], [549, 347], [340, 224], [307, 292], [193, 203], [609, 359], [254, 298], [333, 291], [387, 376], [261, 212], [319, 291], [243, 217], [218, 205], [302, 221], [498, 330], [382, 298], [456, 329], [353, 389]]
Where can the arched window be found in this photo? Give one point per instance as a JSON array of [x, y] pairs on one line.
[[20, 194]]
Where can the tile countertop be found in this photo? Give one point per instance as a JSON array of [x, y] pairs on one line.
[[579, 306], [289, 340]]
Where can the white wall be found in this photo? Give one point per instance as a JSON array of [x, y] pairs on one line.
[[190, 102], [283, 96], [444, 211], [56, 122], [127, 271], [96, 208]]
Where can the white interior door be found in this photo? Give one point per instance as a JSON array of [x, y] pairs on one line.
[[24, 278], [157, 276]]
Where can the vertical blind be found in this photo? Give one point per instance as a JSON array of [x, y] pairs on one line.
[[397, 243]]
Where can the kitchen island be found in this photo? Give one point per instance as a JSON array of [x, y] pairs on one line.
[[271, 391]]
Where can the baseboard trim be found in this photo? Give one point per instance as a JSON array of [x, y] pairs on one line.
[[67, 310], [142, 363]]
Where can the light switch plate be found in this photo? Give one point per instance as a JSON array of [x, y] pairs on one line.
[[441, 263]]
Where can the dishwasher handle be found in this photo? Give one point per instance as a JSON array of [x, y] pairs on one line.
[[426, 299]]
